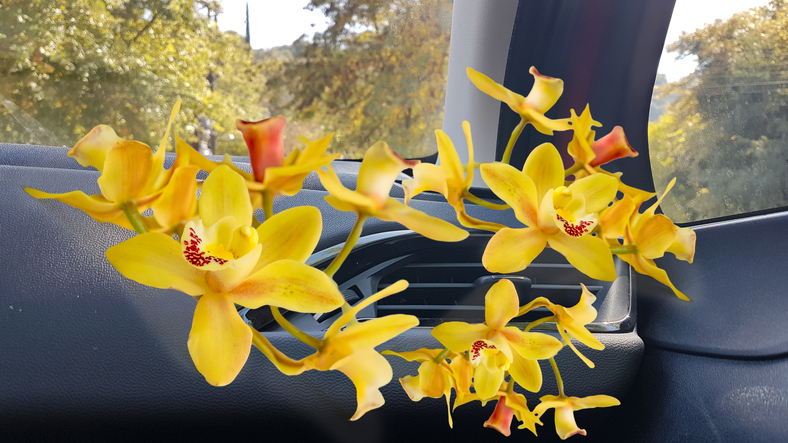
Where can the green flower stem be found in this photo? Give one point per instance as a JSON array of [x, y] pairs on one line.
[[558, 379], [507, 154], [351, 241], [133, 214], [510, 387], [539, 322], [474, 199], [441, 356], [576, 167], [268, 204], [624, 249], [294, 331]]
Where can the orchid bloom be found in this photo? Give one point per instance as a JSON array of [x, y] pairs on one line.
[[543, 95], [509, 404], [449, 179], [221, 258], [436, 378], [132, 179], [565, 425], [352, 350], [652, 235], [495, 348], [590, 154], [555, 215], [571, 322], [379, 169]]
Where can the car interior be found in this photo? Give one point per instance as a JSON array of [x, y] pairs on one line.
[[88, 355]]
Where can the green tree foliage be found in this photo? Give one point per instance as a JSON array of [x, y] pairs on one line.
[[725, 136], [68, 65], [377, 73]]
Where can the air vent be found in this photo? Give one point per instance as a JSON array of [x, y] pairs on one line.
[[448, 282]]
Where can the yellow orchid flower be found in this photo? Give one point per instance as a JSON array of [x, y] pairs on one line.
[[349, 347], [571, 322], [494, 348], [379, 169], [590, 154], [510, 404], [436, 378], [221, 258], [651, 235], [565, 424], [449, 179], [555, 215], [543, 95], [132, 179]]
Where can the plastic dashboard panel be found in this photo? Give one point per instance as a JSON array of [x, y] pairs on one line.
[[90, 355]]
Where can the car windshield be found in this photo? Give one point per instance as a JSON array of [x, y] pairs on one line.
[[367, 70]]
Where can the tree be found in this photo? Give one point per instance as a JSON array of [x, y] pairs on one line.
[[725, 136], [68, 65], [377, 73]]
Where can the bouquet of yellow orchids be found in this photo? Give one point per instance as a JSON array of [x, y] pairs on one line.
[[203, 238]]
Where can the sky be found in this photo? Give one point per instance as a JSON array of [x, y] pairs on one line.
[[274, 22], [280, 22]]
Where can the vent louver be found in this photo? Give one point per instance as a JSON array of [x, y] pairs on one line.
[[448, 282]]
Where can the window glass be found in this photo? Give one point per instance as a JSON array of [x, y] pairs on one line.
[[719, 113], [368, 70]]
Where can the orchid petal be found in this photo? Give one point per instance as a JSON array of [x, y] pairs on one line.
[[373, 332], [264, 141], [227, 279], [178, 200], [580, 148], [545, 167], [126, 171], [379, 169], [339, 193], [526, 372], [495, 90], [419, 355], [470, 222], [291, 234], [154, 259], [314, 149], [512, 250], [501, 418], [532, 345], [589, 254], [598, 189], [648, 267], [579, 332], [96, 206], [614, 219], [412, 387], [611, 147], [368, 371], [426, 225], [594, 401], [450, 161], [583, 312], [654, 235], [290, 285], [683, 247], [565, 424], [207, 249], [543, 124], [459, 336], [219, 341], [435, 381], [487, 380], [289, 180], [426, 177], [514, 188], [92, 149], [545, 92], [158, 177], [501, 304], [224, 193]]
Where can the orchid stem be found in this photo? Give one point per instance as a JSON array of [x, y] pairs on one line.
[[268, 205], [539, 322], [441, 356], [507, 154], [474, 199], [624, 249], [574, 168], [133, 214], [282, 362], [294, 331], [558, 379], [351, 241]]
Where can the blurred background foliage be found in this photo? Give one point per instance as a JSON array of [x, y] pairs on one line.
[[723, 130], [377, 73]]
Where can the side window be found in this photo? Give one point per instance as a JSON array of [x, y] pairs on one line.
[[719, 113]]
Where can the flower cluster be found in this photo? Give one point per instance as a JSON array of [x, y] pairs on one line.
[[204, 240]]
